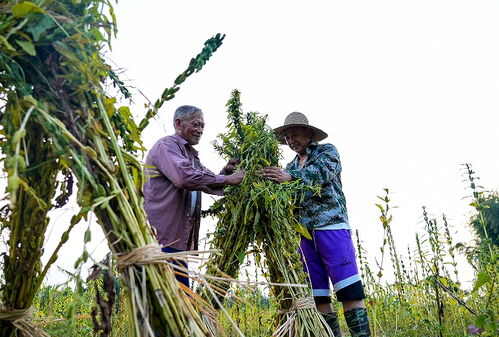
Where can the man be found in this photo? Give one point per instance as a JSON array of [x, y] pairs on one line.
[[330, 254], [175, 179]]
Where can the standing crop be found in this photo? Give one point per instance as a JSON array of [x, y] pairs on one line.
[[429, 300], [260, 213]]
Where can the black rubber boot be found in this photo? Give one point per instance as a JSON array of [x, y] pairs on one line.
[[358, 322], [331, 319]]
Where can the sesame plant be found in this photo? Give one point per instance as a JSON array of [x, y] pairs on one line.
[[468, 310], [259, 215], [65, 311], [421, 294], [59, 125]]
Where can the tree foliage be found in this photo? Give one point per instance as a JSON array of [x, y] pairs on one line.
[[490, 211]]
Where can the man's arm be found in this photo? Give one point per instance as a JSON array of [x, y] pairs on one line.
[[231, 178], [178, 168]]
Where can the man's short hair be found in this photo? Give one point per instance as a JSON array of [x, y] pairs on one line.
[[185, 112]]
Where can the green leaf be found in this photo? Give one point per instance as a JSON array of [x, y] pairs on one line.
[[127, 117], [18, 135], [65, 237], [481, 279], [27, 46], [24, 8], [84, 256], [87, 236], [97, 34], [481, 320], [6, 43], [38, 28], [77, 262], [13, 184], [444, 281], [303, 231], [241, 256]]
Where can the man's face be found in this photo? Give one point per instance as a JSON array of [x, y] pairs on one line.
[[298, 138], [191, 128]]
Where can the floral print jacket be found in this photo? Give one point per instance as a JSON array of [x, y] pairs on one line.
[[326, 210]]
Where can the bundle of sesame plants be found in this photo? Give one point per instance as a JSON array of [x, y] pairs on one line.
[[59, 123], [258, 216]]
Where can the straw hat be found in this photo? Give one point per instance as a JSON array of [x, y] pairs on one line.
[[298, 119]]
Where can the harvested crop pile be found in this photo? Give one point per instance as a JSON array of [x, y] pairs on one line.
[[259, 214], [57, 117]]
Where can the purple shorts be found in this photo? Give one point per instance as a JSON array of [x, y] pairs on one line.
[[330, 255]]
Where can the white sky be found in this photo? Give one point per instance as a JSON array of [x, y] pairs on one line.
[[407, 90]]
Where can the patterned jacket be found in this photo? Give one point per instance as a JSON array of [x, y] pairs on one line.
[[326, 211]]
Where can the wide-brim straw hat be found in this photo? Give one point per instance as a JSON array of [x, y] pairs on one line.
[[298, 119]]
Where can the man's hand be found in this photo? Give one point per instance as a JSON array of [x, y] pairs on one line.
[[230, 167], [234, 179], [276, 174]]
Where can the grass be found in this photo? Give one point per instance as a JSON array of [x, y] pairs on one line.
[[414, 294], [64, 311]]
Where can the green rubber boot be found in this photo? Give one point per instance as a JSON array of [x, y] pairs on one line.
[[331, 319], [358, 322]]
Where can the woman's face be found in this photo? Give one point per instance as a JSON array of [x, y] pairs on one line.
[[298, 138]]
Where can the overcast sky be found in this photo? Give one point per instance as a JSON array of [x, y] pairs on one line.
[[406, 90]]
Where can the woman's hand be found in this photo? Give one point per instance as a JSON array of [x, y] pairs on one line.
[[276, 174]]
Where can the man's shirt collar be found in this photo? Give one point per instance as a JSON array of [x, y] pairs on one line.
[[180, 139], [185, 143]]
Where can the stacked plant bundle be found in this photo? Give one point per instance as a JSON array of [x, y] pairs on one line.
[[57, 118], [260, 213]]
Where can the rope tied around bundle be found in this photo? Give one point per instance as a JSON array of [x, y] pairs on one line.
[[152, 254], [148, 255], [15, 314], [21, 320], [140, 256], [302, 304], [287, 328]]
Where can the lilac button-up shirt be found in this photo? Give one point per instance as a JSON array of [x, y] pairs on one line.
[[172, 198]]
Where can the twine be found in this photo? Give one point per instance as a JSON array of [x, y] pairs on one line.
[[287, 328], [303, 303], [15, 314], [21, 320], [140, 256], [152, 254]]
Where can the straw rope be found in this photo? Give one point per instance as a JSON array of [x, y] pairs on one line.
[[287, 328], [15, 314], [152, 254], [303, 303], [21, 319]]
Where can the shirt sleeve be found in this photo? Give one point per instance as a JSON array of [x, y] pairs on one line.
[[178, 168], [214, 191], [321, 170]]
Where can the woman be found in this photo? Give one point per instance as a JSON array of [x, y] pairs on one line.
[[330, 254]]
